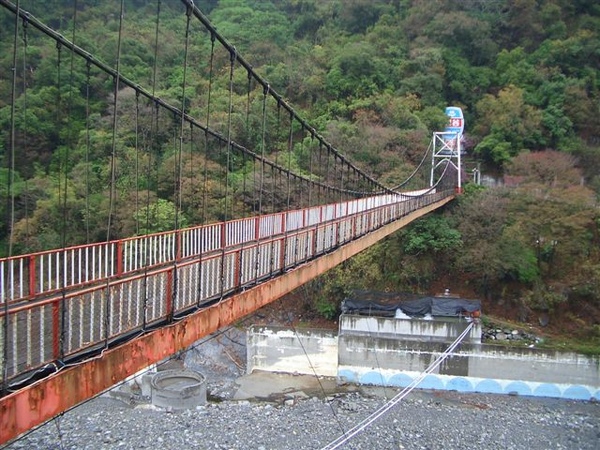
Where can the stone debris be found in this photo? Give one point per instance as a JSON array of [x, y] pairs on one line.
[[424, 420], [298, 419], [492, 333]]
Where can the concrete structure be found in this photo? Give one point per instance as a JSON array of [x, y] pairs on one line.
[[394, 352], [278, 349], [370, 353], [178, 389], [434, 330]]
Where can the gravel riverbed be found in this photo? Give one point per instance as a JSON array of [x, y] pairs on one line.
[[423, 420], [300, 418]]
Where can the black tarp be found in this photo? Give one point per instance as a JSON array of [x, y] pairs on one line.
[[386, 304]]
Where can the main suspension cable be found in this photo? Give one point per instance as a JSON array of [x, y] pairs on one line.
[[159, 102], [410, 177], [212, 29]]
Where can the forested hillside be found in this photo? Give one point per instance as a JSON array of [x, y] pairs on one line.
[[374, 77]]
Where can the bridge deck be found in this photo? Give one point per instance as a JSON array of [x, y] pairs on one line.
[[109, 360]]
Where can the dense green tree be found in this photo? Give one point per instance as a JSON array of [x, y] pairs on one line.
[[481, 222], [513, 68], [356, 72], [508, 125], [356, 16], [423, 74], [471, 37], [551, 168], [433, 234], [464, 83], [159, 216], [246, 23], [372, 76], [552, 209]]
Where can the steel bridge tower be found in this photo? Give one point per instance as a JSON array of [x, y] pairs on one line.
[[446, 148]]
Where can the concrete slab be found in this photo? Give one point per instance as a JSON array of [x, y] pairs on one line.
[[261, 385]]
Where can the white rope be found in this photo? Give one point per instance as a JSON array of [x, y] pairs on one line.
[[394, 401]]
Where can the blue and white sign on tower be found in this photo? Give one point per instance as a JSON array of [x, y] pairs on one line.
[[456, 122], [446, 145]]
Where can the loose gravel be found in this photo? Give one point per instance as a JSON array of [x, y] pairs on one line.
[[424, 420]]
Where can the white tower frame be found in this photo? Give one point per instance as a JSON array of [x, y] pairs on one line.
[[446, 147]]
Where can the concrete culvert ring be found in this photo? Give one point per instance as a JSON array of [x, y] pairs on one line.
[[178, 389]]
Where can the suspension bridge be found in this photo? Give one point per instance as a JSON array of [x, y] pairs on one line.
[[286, 207]]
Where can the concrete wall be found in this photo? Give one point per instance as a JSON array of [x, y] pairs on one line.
[[445, 330], [372, 354], [380, 358], [305, 351]]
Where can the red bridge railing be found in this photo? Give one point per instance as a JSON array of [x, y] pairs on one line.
[[64, 303]]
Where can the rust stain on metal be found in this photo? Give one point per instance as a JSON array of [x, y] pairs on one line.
[[41, 401], [35, 399]]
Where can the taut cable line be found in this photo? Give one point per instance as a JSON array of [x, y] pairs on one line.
[[150, 156], [87, 151], [378, 188], [69, 125], [178, 173], [179, 167], [398, 398], [211, 28], [113, 162], [262, 150], [25, 133], [229, 138], [10, 196], [289, 161], [206, 134], [59, 315], [137, 162]]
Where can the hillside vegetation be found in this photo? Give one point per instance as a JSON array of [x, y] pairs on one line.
[[374, 77]]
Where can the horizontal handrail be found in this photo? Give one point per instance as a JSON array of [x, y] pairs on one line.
[[28, 276], [57, 328]]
